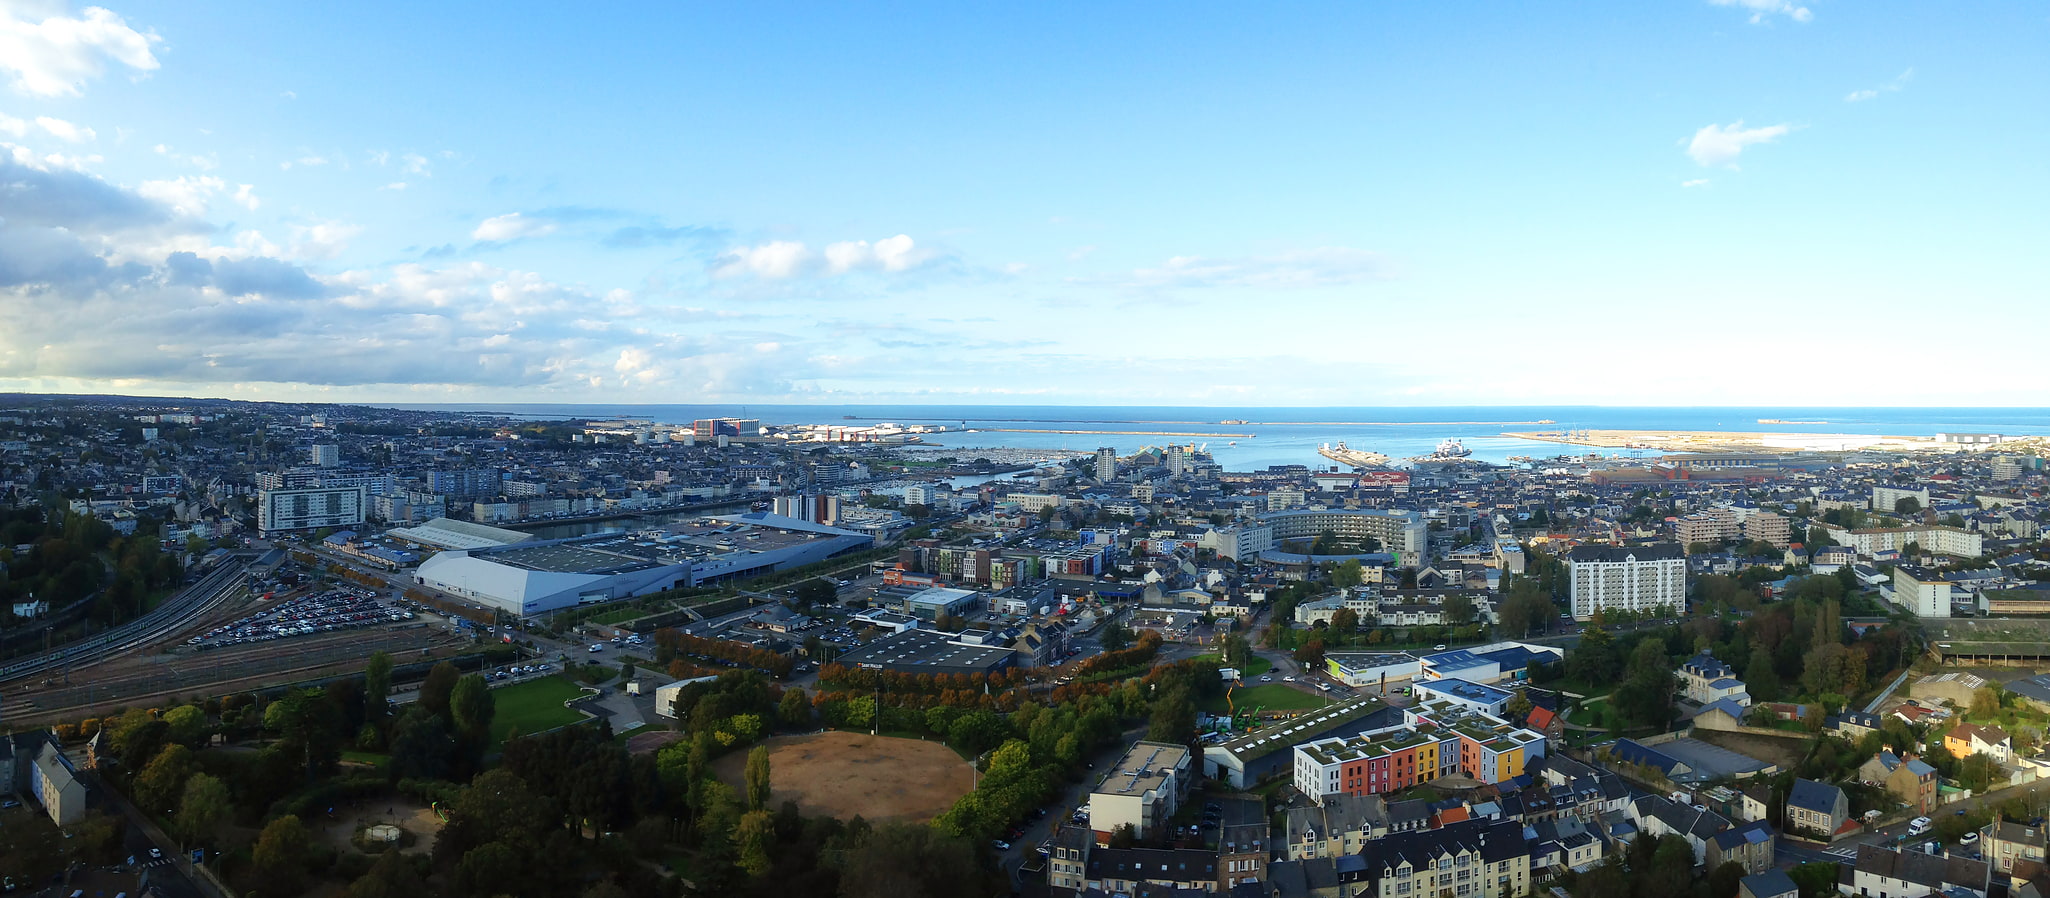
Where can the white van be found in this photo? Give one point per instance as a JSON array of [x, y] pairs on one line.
[[595, 649], [1919, 826]]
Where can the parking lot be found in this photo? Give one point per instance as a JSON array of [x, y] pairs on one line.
[[323, 612]]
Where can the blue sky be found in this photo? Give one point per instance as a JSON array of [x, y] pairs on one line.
[[1687, 202]]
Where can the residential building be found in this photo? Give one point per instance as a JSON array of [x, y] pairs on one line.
[[1704, 680], [1707, 526], [1771, 529], [1966, 739], [1889, 873], [1142, 792], [1127, 871], [474, 483], [1402, 532], [1769, 884], [281, 510], [1921, 591], [1749, 846], [324, 455], [1887, 498], [1627, 578], [1339, 826], [1242, 843], [2004, 842], [1908, 778], [1952, 541], [1438, 738], [1818, 809], [56, 786], [1468, 859]]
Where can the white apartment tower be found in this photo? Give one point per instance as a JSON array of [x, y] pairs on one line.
[[1106, 464], [1627, 578]]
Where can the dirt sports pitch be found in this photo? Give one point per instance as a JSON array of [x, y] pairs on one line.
[[844, 774]]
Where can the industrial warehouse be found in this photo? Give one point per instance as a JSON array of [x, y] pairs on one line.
[[536, 577]]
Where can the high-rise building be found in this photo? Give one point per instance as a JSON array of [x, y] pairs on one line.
[[707, 430], [1106, 464], [307, 509], [817, 509], [2007, 467], [324, 455], [1177, 460], [1627, 578], [472, 483]]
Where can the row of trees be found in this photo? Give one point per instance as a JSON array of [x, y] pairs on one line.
[[670, 642]]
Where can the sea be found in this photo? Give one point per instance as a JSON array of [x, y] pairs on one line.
[[1253, 438]]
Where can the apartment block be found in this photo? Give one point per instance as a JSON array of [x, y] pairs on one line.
[[1627, 578], [1437, 738], [1142, 792]]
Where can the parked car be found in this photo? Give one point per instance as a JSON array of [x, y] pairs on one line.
[[1000, 845], [1919, 825]]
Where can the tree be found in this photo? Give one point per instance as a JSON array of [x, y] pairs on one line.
[[186, 724], [438, 687], [280, 856], [376, 685], [159, 786], [472, 706], [906, 860], [816, 591], [795, 709], [203, 806], [1174, 718], [1116, 637], [1348, 575], [757, 775], [1311, 655], [1459, 609], [1519, 705], [392, 876], [1986, 702], [1907, 505], [752, 840], [1345, 620]]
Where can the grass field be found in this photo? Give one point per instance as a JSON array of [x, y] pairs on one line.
[[1272, 696], [618, 615], [533, 706], [841, 774]]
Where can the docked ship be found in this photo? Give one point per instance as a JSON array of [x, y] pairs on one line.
[[1452, 448], [1358, 458]]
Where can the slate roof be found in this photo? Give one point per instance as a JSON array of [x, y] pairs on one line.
[[1810, 795], [1771, 882]]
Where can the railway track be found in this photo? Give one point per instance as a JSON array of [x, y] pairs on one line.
[[175, 614]]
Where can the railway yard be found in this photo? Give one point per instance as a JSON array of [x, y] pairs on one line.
[[221, 636]]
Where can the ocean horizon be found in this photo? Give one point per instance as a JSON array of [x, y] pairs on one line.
[[1270, 435]]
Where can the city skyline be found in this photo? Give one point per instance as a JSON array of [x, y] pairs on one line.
[[1722, 202]]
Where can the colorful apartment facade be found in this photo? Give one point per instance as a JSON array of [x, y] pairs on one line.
[[1436, 739]]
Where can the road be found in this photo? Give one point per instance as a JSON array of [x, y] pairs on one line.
[[1071, 796]]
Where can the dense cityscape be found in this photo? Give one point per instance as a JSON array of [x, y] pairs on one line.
[[1050, 450], [725, 656]]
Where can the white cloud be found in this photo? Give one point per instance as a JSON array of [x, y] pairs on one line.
[[416, 165], [897, 253], [311, 161], [1900, 81], [290, 95], [511, 226], [187, 194], [12, 126], [1760, 9], [325, 240], [395, 185], [1697, 182], [51, 54], [65, 131], [246, 195], [1322, 267], [777, 259], [1719, 145]]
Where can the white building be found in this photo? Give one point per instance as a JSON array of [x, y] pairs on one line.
[[324, 455], [306, 509], [1242, 542], [1402, 532], [1951, 541], [1143, 791], [1627, 578], [1885, 498], [1106, 464], [1924, 593]]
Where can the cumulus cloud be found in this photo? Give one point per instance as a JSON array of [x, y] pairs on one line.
[[246, 196], [186, 194], [775, 260], [415, 164], [1716, 145], [325, 240], [1764, 9], [49, 53], [897, 253], [511, 226], [1299, 269], [65, 131], [782, 259]]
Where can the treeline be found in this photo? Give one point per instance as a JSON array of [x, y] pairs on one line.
[[670, 642], [73, 556], [841, 676]]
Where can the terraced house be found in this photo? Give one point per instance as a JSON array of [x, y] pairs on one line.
[[1437, 739], [1470, 859]]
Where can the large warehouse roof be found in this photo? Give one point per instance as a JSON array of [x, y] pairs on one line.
[[448, 533]]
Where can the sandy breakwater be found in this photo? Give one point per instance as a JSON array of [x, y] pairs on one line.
[[1735, 441]]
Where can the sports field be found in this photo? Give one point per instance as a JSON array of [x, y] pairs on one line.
[[533, 706], [843, 774]]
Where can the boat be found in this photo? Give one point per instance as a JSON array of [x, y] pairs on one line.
[[1358, 458], [1452, 448]]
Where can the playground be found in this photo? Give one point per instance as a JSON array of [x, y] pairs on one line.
[[842, 774], [422, 822]]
